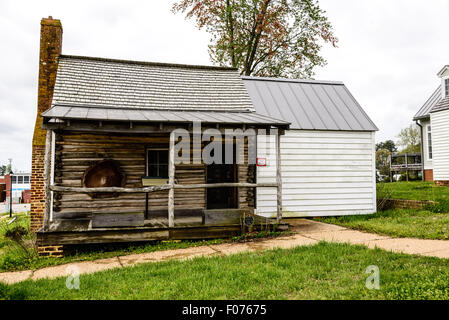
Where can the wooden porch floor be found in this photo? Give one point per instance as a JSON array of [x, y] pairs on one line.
[[66, 236]]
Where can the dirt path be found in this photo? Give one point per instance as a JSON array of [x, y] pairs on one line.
[[308, 233]]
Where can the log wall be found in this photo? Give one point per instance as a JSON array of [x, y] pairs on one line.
[[76, 152]]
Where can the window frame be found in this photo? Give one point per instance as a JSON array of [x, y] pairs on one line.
[[429, 142], [446, 87], [158, 163]]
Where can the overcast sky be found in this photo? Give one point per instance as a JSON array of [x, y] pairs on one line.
[[388, 55]]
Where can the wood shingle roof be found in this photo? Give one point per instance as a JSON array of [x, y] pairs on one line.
[[98, 82]]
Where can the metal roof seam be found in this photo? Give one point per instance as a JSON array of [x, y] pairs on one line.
[[338, 109], [349, 110], [275, 102], [291, 107], [360, 108], [263, 102], [314, 110], [302, 107], [325, 107]]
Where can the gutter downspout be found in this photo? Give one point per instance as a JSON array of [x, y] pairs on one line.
[[422, 148]]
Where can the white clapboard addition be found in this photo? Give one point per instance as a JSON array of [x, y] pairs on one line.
[[440, 144], [324, 173]]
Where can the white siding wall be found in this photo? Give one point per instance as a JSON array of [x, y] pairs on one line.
[[324, 173], [428, 164], [440, 144]]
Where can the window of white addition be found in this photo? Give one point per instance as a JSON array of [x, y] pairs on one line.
[[429, 142], [446, 87]]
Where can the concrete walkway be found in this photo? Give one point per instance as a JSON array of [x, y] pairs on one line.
[[308, 233]]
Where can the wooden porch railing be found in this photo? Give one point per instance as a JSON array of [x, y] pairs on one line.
[[170, 187]]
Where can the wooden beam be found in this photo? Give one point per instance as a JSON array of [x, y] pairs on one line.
[[139, 127], [171, 181], [160, 188], [47, 178], [278, 178], [109, 189], [226, 185], [139, 234]]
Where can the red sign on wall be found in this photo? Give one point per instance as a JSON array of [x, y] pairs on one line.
[[261, 162]]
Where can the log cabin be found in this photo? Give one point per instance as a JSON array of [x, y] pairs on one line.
[[105, 159], [109, 161]]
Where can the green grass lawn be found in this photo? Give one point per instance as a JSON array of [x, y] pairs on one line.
[[432, 223], [399, 223], [322, 271], [413, 190]]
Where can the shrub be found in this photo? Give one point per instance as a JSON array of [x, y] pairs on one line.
[[20, 243], [16, 233]]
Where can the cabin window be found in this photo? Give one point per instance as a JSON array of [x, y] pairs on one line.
[[20, 179], [14, 179], [26, 179], [429, 142], [446, 86], [157, 163]]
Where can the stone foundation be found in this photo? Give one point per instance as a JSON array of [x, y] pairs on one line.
[[51, 251], [442, 183], [386, 204]]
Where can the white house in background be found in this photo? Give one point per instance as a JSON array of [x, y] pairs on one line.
[[327, 156], [433, 118], [20, 182]]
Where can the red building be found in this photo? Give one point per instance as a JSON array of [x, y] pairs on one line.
[[2, 189], [20, 187]]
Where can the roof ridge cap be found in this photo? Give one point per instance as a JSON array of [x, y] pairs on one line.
[[150, 63], [312, 81]]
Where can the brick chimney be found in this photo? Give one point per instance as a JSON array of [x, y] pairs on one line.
[[50, 49]]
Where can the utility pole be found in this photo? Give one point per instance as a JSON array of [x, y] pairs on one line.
[[10, 187]]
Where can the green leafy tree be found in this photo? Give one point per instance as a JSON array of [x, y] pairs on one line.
[[5, 169], [410, 140], [388, 145], [383, 161], [263, 37]]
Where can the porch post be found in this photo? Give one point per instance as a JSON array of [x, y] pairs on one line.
[[406, 167], [278, 176], [171, 181], [47, 178]]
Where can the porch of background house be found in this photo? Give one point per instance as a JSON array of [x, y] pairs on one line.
[[406, 163]]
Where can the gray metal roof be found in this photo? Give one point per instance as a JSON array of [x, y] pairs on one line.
[[308, 104], [145, 115], [425, 110], [87, 81], [442, 105], [440, 73]]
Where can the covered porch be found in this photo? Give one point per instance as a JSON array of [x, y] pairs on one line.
[[116, 175]]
